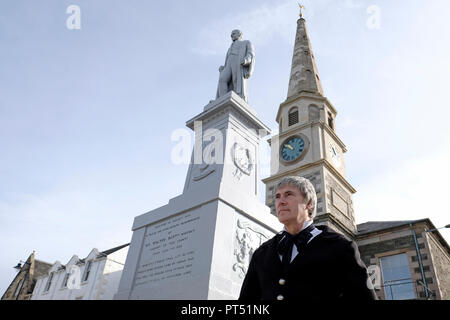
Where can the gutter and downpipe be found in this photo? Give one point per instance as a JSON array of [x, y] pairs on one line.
[[419, 258]]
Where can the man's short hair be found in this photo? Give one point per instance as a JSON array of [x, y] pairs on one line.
[[306, 189]]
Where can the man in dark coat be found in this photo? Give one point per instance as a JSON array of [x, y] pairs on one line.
[[304, 262]]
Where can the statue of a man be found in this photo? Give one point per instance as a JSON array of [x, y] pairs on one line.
[[239, 63]]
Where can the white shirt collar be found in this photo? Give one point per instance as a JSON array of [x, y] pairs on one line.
[[315, 232]]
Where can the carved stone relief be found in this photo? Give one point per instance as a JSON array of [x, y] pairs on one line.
[[248, 239], [242, 159]]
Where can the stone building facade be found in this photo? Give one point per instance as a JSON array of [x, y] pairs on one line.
[[407, 258], [95, 277], [24, 282]]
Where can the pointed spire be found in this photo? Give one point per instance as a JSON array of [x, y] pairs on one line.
[[304, 74]]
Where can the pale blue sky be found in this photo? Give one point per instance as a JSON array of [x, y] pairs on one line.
[[86, 116]]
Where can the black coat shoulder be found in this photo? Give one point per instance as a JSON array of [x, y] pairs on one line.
[[327, 237]]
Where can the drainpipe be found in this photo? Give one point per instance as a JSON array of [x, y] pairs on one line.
[[419, 258]]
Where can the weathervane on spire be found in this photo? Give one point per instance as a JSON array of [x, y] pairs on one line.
[[301, 7]]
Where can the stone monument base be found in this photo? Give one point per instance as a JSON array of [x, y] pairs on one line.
[[199, 245], [196, 251]]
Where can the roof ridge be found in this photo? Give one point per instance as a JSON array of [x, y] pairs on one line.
[[112, 250]]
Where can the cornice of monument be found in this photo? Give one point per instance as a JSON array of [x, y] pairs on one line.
[[231, 99], [196, 198]]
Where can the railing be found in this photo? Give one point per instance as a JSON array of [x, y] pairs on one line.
[[392, 292]]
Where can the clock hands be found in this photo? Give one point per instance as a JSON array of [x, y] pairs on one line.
[[292, 148]]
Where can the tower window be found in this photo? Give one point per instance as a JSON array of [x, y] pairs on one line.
[[330, 121], [293, 116]]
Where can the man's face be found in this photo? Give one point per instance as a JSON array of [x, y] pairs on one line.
[[235, 35], [290, 206]]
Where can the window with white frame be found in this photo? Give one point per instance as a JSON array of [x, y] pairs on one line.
[[49, 282], [397, 280], [87, 270], [66, 278]]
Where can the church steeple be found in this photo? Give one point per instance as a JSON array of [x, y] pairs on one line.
[[304, 74], [308, 145]]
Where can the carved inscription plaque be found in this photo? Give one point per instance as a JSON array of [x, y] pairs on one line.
[[169, 250]]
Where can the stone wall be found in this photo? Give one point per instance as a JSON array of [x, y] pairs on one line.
[[441, 263], [435, 264], [21, 280], [23, 284], [339, 202]]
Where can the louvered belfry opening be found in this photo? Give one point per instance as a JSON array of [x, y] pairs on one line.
[[293, 116]]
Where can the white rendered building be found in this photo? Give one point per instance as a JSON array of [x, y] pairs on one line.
[[95, 277]]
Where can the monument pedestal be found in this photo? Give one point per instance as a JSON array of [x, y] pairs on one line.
[[198, 246]]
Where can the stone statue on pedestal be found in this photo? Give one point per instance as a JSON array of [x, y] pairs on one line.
[[239, 64]]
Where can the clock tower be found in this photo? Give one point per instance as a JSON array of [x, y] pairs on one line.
[[307, 144]]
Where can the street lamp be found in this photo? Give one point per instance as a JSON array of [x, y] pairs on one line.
[[19, 266]]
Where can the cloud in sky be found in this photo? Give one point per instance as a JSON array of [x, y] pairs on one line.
[[352, 4], [260, 25], [414, 189], [58, 217]]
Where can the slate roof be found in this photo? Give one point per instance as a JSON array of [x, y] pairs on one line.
[[372, 226]]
